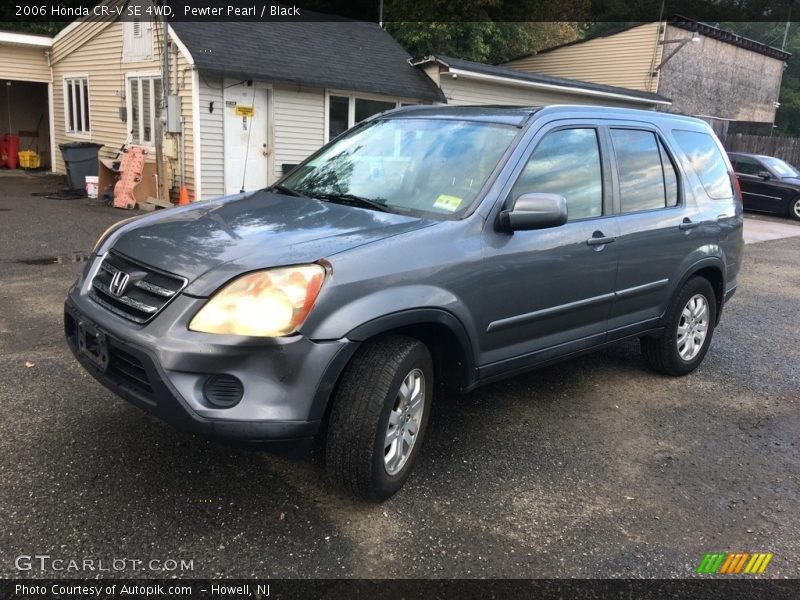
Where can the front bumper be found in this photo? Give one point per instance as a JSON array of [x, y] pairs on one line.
[[162, 367]]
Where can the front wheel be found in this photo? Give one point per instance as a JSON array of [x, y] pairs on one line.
[[688, 329], [794, 209], [379, 417]]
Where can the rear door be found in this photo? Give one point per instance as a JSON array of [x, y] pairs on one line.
[[658, 227], [710, 178], [551, 289]]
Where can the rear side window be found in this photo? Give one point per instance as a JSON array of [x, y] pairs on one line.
[[707, 162], [566, 162], [647, 178]]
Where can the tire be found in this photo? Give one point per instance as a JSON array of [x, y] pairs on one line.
[[357, 456], [794, 208], [664, 354]]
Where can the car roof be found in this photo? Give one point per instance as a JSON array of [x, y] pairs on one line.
[[518, 115], [509, 115], [749, 155]]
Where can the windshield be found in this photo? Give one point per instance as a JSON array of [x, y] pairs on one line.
[[412, 165], [782, 169]]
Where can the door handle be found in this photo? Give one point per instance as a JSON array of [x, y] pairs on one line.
[[600, 240], [687, 225]]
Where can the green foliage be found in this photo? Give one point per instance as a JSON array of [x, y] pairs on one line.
[[489, 31], [41, 27], [484, 42]]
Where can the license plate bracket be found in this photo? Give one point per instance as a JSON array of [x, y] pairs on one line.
[[92, 344]]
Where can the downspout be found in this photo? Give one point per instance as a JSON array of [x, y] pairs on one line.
[[51, 112], [159, 137]]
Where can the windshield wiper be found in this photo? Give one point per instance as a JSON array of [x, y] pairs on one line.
[[289, 191], [353, 200]]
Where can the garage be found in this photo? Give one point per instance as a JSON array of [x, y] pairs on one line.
[[25, 89]]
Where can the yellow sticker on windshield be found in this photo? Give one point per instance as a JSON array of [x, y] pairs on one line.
[[446, 202]]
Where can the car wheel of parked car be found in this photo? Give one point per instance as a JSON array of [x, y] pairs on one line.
[[688, 329], [379, 416], [794, 209]]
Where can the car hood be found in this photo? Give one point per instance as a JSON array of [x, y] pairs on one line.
[[252, 231]]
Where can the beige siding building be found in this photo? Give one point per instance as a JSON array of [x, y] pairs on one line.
[[625, 59], [26, 90], [107, 90]]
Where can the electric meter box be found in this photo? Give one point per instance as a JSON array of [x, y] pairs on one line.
[[173, 114]]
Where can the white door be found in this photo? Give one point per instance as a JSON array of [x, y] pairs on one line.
[[246, 137]]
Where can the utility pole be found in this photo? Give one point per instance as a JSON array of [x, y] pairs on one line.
[[788, 22]]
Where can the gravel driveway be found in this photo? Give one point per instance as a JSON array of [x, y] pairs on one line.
[[595, 467]]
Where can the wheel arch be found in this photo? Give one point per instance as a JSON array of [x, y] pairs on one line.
[[712, 270], [443, 334]]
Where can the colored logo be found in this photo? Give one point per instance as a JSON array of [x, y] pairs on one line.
[[733, 563]]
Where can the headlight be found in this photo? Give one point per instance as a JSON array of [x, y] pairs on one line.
[[267, 303], [111, 229]]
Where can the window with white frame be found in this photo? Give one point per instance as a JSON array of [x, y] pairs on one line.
[[344, 111], [76, 105], [144, 107]]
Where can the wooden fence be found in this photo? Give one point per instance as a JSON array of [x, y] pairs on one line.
[[786, 148]]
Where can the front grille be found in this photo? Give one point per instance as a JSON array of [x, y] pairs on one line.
[[128, 371], [148, 291]]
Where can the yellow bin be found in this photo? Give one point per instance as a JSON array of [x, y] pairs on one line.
[[28, 159]]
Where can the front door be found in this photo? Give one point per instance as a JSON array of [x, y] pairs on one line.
[[551, 290], [759, 191], [246, 137]]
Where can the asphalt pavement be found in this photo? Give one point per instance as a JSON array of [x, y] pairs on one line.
[[595, 467]]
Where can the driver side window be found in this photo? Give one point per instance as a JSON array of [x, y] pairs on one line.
[[566, 162], [748, 166]]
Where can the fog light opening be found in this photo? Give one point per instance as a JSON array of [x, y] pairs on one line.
[[223, 391]]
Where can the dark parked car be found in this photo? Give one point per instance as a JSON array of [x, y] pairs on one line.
[[429, 247], [768, 184]]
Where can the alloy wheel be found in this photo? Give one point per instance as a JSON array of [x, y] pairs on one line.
[[404, 422], [693, 327]]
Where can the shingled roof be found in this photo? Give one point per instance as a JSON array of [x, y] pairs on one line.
[[347, 55]]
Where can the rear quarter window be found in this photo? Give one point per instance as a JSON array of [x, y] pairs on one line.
[[705, 159]]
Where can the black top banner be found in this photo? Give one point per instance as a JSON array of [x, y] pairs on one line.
[[713, 11]]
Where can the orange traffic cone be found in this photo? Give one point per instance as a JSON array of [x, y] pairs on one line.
[[183, 197]]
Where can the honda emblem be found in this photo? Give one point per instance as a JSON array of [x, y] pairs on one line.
[[118, 283]]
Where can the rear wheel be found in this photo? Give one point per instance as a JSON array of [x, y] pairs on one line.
[[687, 332], [379, 417]]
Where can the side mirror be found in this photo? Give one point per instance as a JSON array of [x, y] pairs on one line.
[[534, 211], [765, 175]]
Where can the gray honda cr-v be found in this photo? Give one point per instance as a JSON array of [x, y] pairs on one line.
[[429, 247]]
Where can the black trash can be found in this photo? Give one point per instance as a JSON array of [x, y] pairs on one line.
[[80, 159]]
